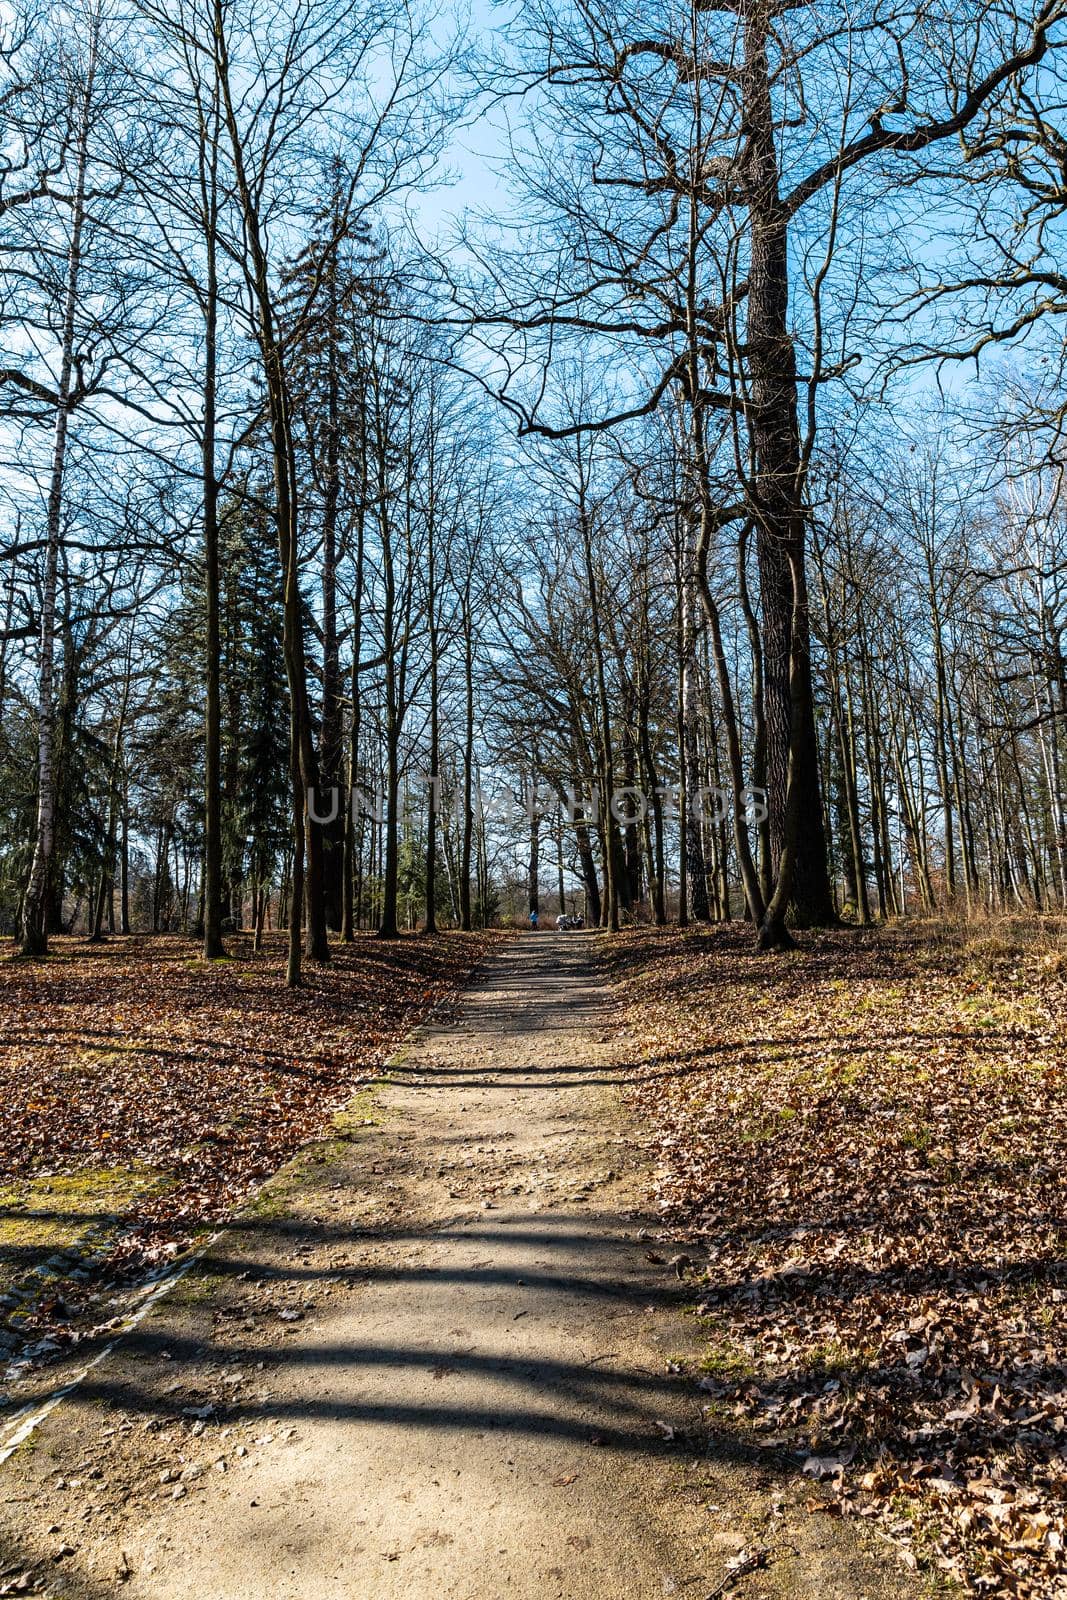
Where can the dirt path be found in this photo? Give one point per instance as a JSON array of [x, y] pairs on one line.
[[433, 1363]]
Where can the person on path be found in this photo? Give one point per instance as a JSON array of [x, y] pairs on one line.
[[533, 921]]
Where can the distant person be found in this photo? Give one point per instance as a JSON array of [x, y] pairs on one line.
[[533, 921], [563, 921]]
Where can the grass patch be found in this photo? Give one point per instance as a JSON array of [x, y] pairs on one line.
[[63, 1213]]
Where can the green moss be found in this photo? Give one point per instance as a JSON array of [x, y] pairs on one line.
[[45, 1216], [272, 1201], [728, 1362], [361, 1111]]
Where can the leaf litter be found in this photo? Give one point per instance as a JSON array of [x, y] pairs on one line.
[[863, 1146], [133, 1054]]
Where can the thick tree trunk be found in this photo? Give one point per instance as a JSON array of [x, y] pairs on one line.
[[777, 497], [593, 905]]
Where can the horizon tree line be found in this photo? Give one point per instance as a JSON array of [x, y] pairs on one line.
[[607, 498]]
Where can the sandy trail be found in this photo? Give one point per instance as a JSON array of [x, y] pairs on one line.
[[434, 1363]]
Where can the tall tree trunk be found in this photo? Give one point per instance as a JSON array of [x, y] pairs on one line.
[[352, 843], [213, 947], [610, 910], [124, 896], [759, 720], [388, 925], [777, 496], [680, 718], [35, 899], [106, 899], [593, 907], [941, 715], [708, 524], [331, 740], [430, 915], [534, 874], [696, 865], [655, 842], [303, 761], [468, 762]]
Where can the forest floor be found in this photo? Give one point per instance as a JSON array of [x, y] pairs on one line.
[[439, 1356], [864, 1147], [146, 1093], [650, 1266]]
